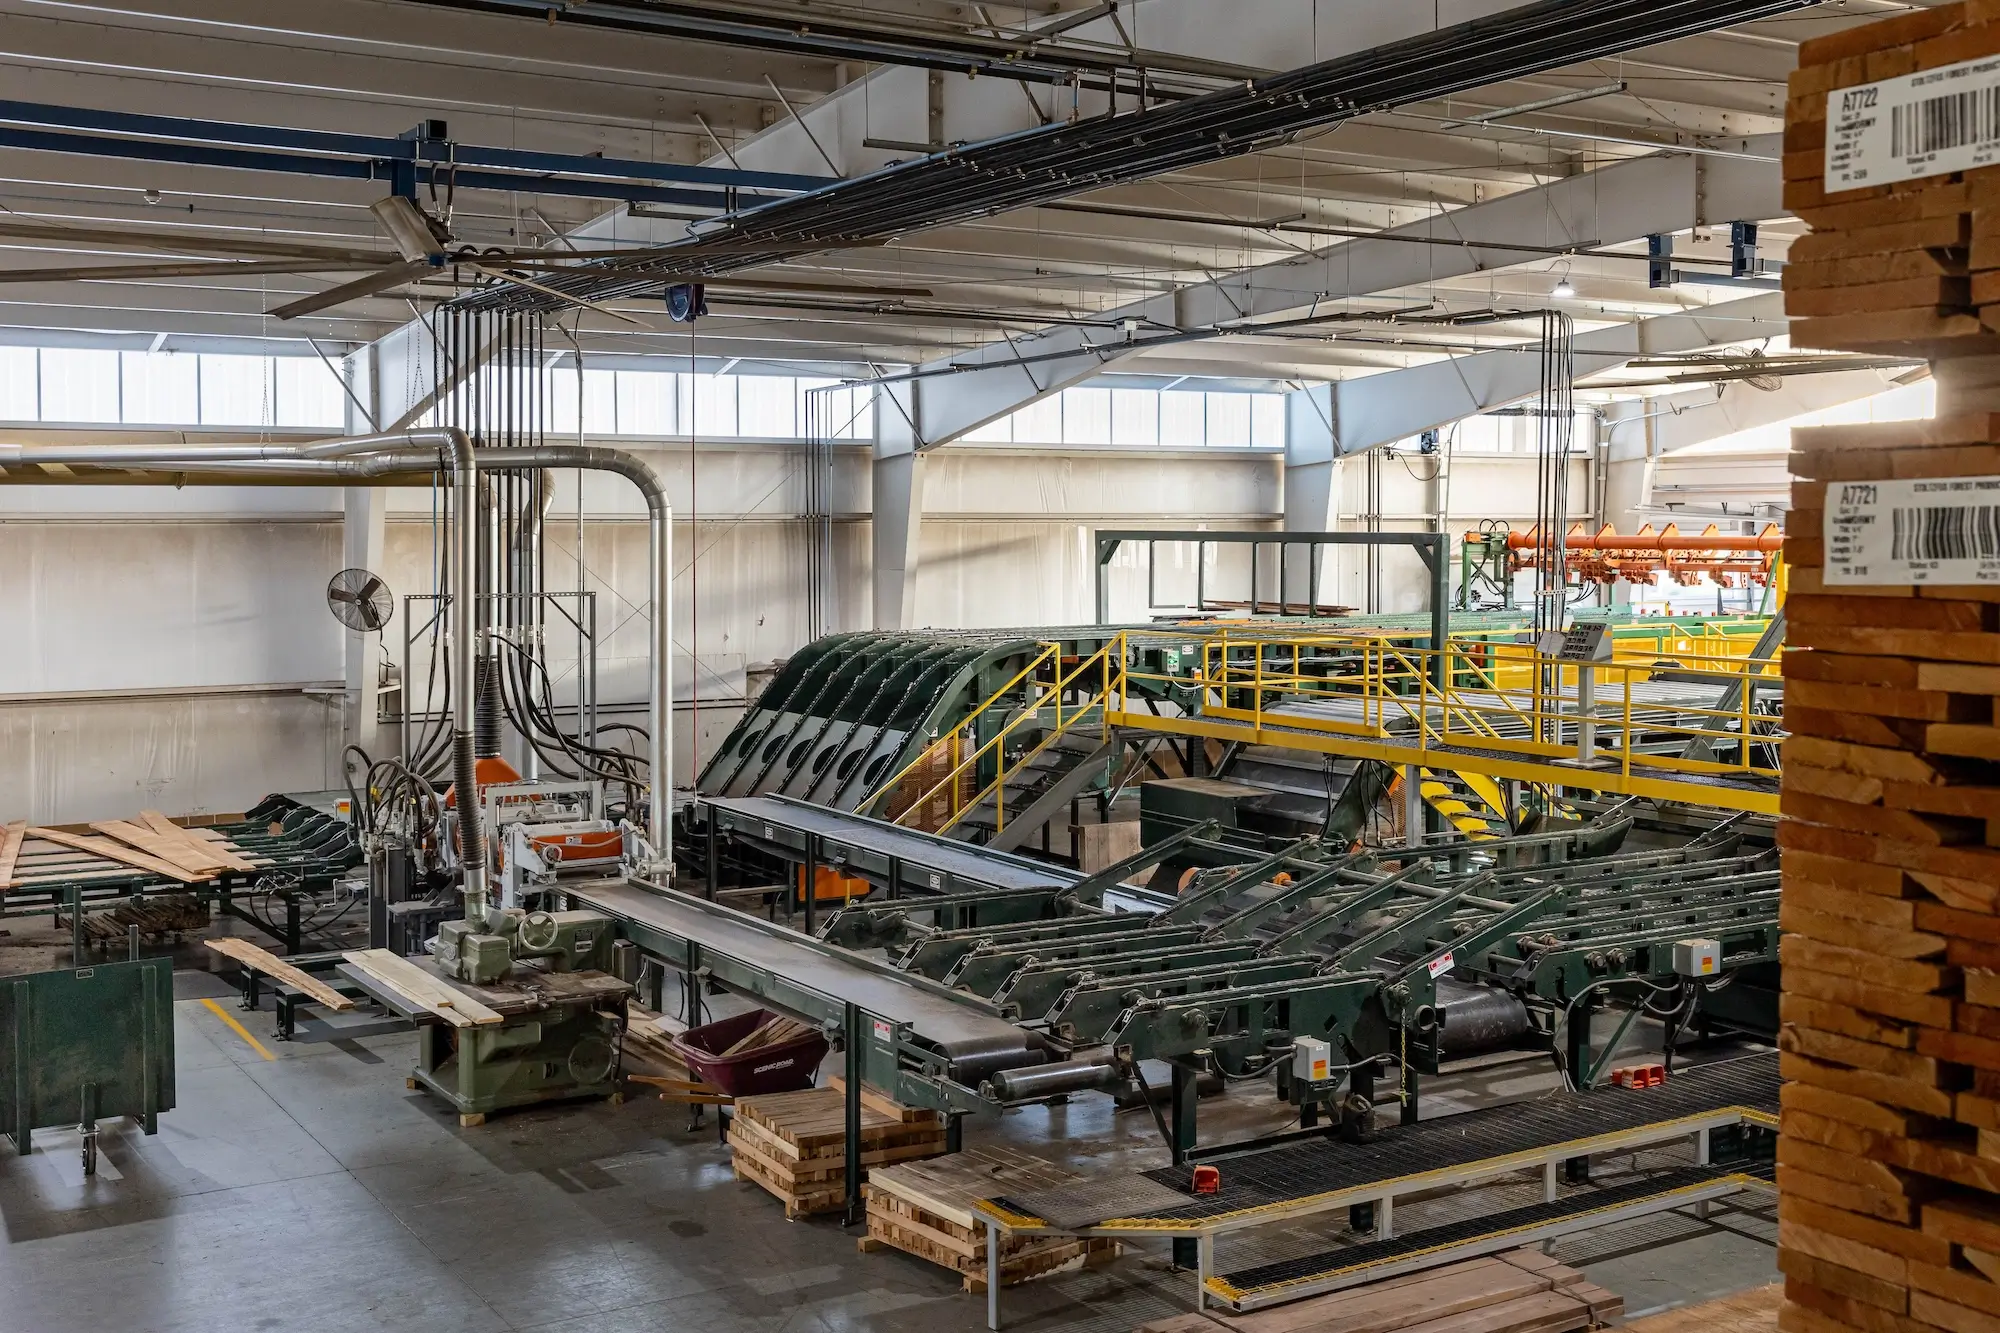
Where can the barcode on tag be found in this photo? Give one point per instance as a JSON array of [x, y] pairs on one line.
[[1916, 125], [1942, 530], [1955, 120], [1938, 533]]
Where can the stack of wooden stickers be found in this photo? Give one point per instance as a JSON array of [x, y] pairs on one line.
[[1889, 1158], [1521, 1291], [926, 1209], [794, 1144]]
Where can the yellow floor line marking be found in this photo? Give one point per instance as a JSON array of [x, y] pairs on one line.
[[238, 1029]]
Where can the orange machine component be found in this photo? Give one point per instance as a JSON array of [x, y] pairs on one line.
[[828, 883], [485, 773], [1604, 556]]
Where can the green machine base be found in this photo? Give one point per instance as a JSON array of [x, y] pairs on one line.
[[559, 1041]]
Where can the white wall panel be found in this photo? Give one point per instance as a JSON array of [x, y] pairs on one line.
[[69, 760], [128, 605]]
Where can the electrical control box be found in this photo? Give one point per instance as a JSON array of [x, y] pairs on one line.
[[1311, 1060], [1697, 958]]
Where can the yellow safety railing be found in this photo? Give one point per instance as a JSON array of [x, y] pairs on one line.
[[1489, 696], [1046, 710], [950, 746]]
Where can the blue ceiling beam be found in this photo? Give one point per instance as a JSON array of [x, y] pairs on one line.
[[418, 148]]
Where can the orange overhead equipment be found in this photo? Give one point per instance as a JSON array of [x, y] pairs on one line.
[[1605, 556]]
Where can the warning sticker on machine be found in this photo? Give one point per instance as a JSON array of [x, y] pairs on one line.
[[1895, 533], [1439, 966], [1922, 124]]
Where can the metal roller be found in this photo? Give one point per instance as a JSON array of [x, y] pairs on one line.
[[1477, 1019], [1033, 1084]]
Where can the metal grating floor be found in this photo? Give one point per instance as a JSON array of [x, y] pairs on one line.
[[1351, 1257], [1260, 1178]]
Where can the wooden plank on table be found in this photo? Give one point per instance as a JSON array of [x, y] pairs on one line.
[[112, 850], [421, 988], [10, 850], [263, 960], [171, 850], [218, 848]]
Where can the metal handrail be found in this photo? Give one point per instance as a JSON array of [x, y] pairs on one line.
[[1052, 691], [950, 738]]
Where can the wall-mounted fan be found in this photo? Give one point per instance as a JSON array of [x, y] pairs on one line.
[[359, 600]]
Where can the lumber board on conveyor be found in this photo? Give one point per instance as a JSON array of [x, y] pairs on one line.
[[174, 851], [420, 989], [207, 842], [1514, 1292], [263, 960], [112, 850], [10, 850]]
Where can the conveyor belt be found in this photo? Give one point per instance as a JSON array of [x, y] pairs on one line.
[[1369, 1261], [954, 1025], [1293, 1174], [970, 864]]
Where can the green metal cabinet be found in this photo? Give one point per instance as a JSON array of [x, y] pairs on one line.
[[83, 1044]]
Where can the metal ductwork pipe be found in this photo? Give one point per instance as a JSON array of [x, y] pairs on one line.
[[370, 457], [660, 559], [355, 457]]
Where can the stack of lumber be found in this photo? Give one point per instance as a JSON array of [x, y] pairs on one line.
[[168, 916], [649, 1046], [794, 1144], [1889, 1155], [1908, 266], [34, 857], [926, 1209], [1521, 1291]]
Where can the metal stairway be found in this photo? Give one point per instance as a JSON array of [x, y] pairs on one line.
[[1038, 790]]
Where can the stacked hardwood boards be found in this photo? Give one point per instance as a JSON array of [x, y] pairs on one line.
[[1521, 1291], [1905, 269], [1888, 1160], [1887, 1163], [794, 1144], [926, 1209]]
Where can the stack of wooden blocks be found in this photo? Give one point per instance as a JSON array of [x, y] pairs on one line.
[[1521, 1291], [1889, 1157], [927, 1209], [794, 1144]]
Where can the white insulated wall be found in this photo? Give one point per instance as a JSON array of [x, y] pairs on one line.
[[172, 649]]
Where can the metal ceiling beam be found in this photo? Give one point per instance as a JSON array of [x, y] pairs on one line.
[[1615, 205], [1053, 162], [1024, 57]]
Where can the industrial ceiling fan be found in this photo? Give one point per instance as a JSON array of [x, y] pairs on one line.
[[359, 600], [420, 239]]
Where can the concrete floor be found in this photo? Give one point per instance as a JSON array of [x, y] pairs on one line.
[[305, 1188]]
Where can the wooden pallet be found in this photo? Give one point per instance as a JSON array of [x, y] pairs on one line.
[[1523, 1291], [926, 1209], [794, 1145]]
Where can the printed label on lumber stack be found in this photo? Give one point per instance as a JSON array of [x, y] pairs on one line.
[[1889, 1146]]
